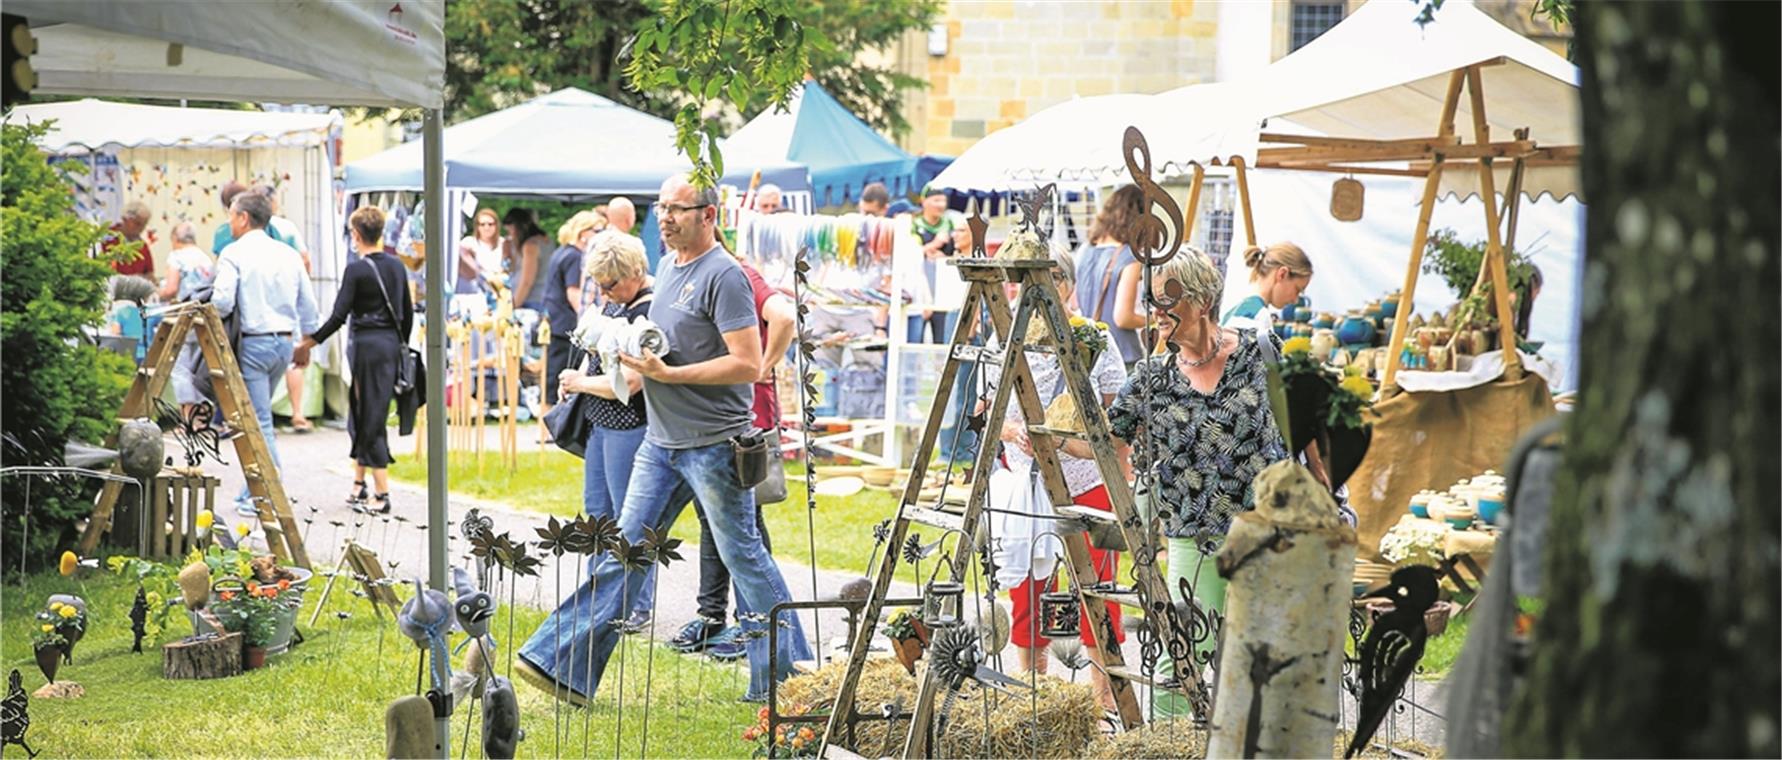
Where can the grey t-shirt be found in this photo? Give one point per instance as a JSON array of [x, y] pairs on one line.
[[696, 303]]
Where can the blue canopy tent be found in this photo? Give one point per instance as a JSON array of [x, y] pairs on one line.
[[843, 153], [570, 144]]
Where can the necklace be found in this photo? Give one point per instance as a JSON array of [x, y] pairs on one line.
[[1218, 346]]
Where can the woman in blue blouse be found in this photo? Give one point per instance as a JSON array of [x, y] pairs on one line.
[[1280, 274], [1199, 421]]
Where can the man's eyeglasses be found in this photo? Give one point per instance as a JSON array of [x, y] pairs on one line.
[[670, 209], [607, 286]]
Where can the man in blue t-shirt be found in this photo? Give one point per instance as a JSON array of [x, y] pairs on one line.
[[698, 395]]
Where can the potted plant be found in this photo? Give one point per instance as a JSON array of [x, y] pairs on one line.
[[787, 739], [909, 636], [1088, 334], [253, 610], [262, 570], [47, 645], [156, 580]]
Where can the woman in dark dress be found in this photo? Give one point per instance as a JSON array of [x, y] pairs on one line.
[[374, 295]]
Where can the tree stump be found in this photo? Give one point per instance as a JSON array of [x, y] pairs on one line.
[[1288, 563], [200, 657]]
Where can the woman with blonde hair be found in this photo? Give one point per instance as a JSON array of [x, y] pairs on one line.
[[479, 253], [374, 297], [1203, 406], [1280, 274]]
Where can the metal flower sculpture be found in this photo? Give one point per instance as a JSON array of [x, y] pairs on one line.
[[632, 557], [551, 537], [661, 548]]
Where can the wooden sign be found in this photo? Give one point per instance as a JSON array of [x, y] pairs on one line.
[[1346, 197]]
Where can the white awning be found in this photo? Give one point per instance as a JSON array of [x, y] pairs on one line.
[[342, 52], [89, 124]]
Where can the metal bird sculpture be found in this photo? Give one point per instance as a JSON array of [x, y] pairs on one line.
[[1393, 646], [426, 618], [473, 609], [15, 714], [138, 620], [501, 719]]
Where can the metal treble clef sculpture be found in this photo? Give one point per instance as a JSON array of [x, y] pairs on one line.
[[1157, 240]]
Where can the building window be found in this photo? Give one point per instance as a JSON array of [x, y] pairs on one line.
[[1312, 19]]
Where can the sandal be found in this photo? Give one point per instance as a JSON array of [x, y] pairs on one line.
[[383, 499], [302, 426], [358, 499]]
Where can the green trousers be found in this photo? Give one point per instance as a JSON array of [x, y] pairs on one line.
[[1187, 561]]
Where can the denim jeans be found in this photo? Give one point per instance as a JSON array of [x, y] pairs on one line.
[[714, 577], [263, 360], [606, 474], [662, 482]]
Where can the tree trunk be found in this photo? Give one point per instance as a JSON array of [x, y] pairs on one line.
[[202, 657], [1660, 634]]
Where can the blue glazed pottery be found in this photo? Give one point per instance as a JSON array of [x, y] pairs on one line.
[[1356, 331], [1290, 313], [1324, 322], [1389, 306], [1490, 507], [1460, 523]]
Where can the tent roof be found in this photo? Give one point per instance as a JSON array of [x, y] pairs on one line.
[[345, 52], [1378, 75], [844, 153], [1078, 142], [567, 143], [88, 124]]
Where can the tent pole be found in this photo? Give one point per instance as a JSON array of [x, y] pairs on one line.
[[1432, 183], [1243, 184], [433, 152], [1192, 212], [1494, 252]]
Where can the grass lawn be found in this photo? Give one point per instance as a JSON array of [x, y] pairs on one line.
[[554, 486], [327, 697]]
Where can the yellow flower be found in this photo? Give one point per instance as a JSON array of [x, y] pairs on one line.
[[55, 607], [153, 598], [69, 562], [1078, 320], [67, 611], [47, 627], [1359, 386], [1301, 345], [206, 519], [242, 529]]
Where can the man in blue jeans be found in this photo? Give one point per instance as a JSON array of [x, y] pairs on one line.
[[266, 283], [699, 396]]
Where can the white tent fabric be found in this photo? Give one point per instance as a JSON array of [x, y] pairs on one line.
[[1377, 75], [1077, 143], [89, 124], [343, 52]]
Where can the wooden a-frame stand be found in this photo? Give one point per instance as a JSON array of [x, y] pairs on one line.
[[282, 534], [1039, 298]]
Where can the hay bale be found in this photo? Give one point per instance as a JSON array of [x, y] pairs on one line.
[[1159, 739], [1407, 746], [1067, 713]]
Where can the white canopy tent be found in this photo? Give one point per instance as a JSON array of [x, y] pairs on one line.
[[88, 124], [348, 52]]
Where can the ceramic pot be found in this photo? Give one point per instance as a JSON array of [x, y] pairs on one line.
[[287, 616], [1324, 342], [49, 659], [1491, 504], [1290, 313], [1355, 332], [1420, 504], [1389, 306], [253, 658], [1324, 322], [1302, 330]]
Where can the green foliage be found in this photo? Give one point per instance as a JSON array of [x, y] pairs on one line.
[[160, 582], [1458, 262], [752, 53], [505, 52], [55, 386], [253, 612]]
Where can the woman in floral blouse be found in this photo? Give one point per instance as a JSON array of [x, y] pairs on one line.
[[1204, 408]]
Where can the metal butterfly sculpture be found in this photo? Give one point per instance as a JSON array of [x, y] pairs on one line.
[[1034, 208], [192, 430]]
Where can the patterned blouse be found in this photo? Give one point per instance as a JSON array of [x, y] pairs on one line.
[[1209, 446]]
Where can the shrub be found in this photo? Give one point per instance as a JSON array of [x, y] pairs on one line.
[[54, 384]]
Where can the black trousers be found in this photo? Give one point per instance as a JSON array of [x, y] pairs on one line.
[[558, 357], [714, 577], [373, 355]]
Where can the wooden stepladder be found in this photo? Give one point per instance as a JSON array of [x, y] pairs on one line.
[[268, 492], [1039, 298]]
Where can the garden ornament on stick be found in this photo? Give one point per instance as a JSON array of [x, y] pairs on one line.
[[501, 720], [425, 619], [662, 550], [15, 714]]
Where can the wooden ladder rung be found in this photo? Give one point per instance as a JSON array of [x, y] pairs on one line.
[[1123, 598], [1056, 432], [1087, 513], [934, 518], [836, 752], [984, 355]]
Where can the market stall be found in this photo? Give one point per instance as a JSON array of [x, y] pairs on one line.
[[843, 153]]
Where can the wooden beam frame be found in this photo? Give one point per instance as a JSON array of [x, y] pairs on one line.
[[1243, 187], [1432, 183], [1494, 251]]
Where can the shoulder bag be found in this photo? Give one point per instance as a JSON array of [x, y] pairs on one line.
[[409, 367]]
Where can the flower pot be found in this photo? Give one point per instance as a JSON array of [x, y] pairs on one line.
[[1356, 332], [287, 619], [253, 658], [49, 659], [908, 652]]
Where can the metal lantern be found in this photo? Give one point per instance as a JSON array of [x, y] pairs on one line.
[[1060, 614], [941, 603]]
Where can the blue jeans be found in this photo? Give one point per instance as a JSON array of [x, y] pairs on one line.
[[263, 360], [606, 474], [662, 482]]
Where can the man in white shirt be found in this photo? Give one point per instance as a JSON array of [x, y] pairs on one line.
[[285, 230], [265, 281]]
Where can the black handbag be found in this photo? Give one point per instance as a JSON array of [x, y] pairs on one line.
[[571, 422], [409, 368]]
